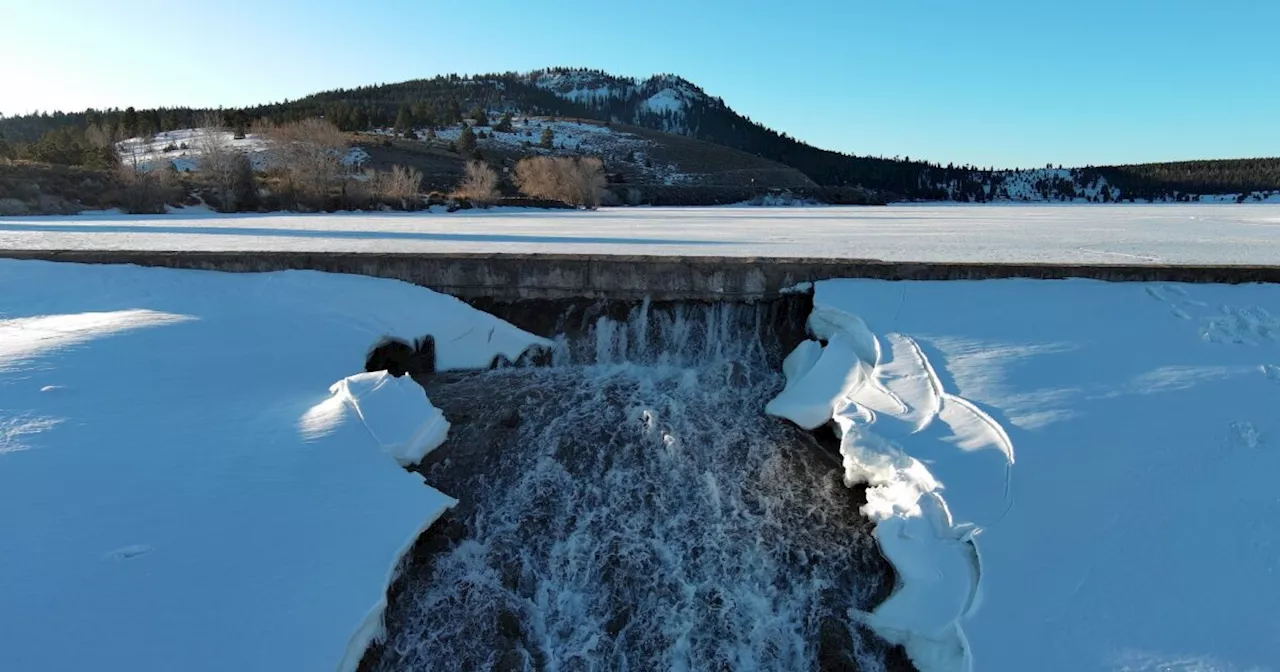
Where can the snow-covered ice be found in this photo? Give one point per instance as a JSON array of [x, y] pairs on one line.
[[1082, 234], [1133, 526], [182, 489]]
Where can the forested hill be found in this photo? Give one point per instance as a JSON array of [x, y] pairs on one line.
[[673, 104]]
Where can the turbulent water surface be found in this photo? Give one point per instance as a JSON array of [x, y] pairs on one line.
[[631, 507]]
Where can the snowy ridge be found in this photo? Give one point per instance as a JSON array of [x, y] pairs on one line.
[[664, 100], [878, 397]]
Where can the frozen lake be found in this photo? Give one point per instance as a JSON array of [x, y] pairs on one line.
[[1085, 234]]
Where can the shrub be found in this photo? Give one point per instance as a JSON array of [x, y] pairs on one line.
[[12, 206], [399, 187], [479, 186], [310, 153], [145, 191], [578, 181]]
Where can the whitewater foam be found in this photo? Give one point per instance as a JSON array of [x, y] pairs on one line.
[[632, 508]]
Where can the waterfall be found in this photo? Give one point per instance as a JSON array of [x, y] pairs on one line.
[[630, 507]]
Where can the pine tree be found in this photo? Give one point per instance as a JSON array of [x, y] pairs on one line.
[[422, 115], [467, 141], [404, 120], [455, 111], [548, 138], [504, 125], [130, 122], [481, 117]]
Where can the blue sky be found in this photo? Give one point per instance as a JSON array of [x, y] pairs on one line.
[[991, 83]]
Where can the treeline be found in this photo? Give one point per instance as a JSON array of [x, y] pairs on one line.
[[1171, 181], [447, 99]]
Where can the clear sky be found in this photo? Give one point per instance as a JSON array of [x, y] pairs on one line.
[[991, 83]]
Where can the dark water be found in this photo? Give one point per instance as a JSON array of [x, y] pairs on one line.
[[632, 508]]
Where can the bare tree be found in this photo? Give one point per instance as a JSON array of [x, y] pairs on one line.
[[480, 185], [399, 185], [101, 136], [145, 189], [578, 181], [310, 152], [220, 161]]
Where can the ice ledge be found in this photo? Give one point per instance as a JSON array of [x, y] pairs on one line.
[[883, 400]]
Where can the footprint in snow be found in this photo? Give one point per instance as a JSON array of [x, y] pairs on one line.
[[1154, 293], [1243, 435], [129, 552]]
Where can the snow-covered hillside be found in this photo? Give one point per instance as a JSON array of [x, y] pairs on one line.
[[1048, 185], [183, 486], [183, 148], [661, 101], [1067, 185], [569, 137]]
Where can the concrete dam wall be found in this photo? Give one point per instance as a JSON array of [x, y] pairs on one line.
[[513, 277]]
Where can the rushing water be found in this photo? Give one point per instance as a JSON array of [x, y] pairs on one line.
[[632, 508]]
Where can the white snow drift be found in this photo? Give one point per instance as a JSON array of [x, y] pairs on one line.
[[180, 488], [1135, 531]]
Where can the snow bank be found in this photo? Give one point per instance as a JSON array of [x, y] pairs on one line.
[[391, 409], [1132, 533], [873, 397], [182, 487]]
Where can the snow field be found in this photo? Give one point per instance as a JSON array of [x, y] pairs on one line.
[[1131, 533], [1095, 234], [183, 487]]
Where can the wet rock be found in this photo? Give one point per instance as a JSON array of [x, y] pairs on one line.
[[535, 356], [397, 357], [509, 625], [511, 660], [391, 355], [618, 621], [835, 647]]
